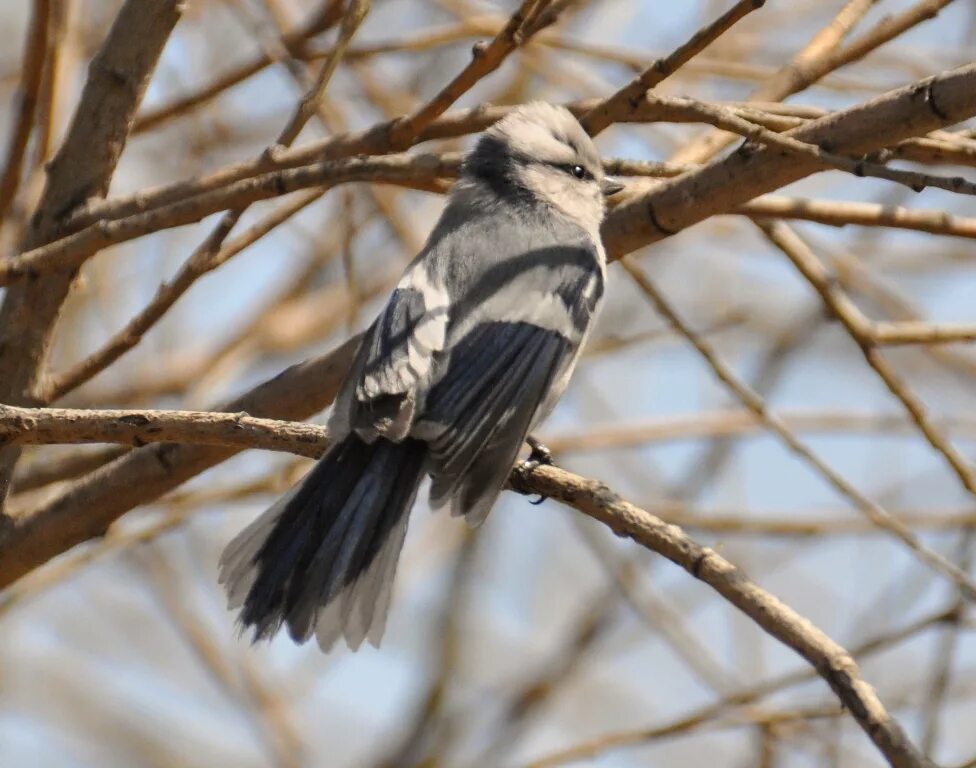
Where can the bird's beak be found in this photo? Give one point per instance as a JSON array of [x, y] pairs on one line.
[[610, 186]]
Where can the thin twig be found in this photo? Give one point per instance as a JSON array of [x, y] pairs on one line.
[[751, 400], [861, 332], [35, 48], [55, 386], [616, 107]]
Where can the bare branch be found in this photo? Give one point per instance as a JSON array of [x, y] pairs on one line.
[[678, 203], [834, 664], [34, 49], [629, 98], [751, 400], [39, 426], [88, 506], [83, 167]]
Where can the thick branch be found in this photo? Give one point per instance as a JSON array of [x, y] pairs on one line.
[[726, 183]]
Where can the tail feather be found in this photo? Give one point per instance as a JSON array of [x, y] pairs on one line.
[[236, 573], [322, 559]]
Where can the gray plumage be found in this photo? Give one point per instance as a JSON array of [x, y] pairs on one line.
[[473, 349]]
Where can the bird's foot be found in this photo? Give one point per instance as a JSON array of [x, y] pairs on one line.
[[540, 455]]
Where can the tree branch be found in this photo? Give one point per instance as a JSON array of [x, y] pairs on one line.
[[720, 186], [87, 507], [52, 426], [83, 168], [30, 83], [70, 252], [834, 664]]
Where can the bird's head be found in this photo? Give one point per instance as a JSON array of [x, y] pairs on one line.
[[541, 151]]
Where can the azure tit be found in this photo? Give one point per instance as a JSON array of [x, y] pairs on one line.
[[472, 350]]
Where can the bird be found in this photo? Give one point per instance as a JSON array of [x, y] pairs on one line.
[[471, 351]]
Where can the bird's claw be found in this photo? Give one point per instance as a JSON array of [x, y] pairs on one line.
[[540, 455]]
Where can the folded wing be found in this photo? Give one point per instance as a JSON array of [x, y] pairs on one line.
[[478, 415]]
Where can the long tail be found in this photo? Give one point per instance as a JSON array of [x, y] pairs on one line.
[[323, 558]]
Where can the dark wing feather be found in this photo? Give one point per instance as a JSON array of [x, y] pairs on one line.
[[478, 414]]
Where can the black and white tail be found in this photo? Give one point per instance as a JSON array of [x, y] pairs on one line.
[[323, 558]]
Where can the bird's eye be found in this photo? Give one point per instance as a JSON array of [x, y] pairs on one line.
[[578, 171]]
